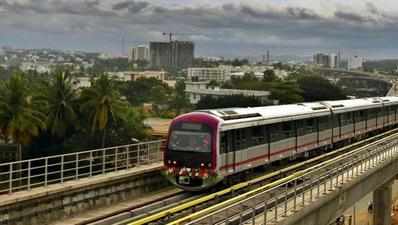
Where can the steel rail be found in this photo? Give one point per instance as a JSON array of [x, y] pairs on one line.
[[299, 174], [240, 186]]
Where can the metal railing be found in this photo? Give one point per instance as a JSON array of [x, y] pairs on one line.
[[289, 195], [32, 173]]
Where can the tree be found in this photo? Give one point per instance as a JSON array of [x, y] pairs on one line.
[[180, 100], [103, 104], [317, 88], [286, 92], [22, 114], [62, 108], [209, 102], [269, 76]]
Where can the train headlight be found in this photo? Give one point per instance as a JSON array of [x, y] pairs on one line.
[[174, 162], [209, 164], [169, 162], [189, 169], [202, 164]]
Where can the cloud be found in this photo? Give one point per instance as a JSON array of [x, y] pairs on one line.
[[306, 24], [131, 6]]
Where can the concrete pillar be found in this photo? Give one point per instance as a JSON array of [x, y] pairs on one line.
[[382, 202]]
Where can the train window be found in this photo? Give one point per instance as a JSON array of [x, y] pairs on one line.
[[335, 119], [359, 116], [346, 119], [324, 123], [310, 125], [372, 113], [306, 126], [240, 138], [258, 135], [189, 141], [288, 129], [223, 142], [277, 133]]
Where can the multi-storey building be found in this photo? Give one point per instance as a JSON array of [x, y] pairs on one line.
[[208, 73], [139, 53], [175, 54]]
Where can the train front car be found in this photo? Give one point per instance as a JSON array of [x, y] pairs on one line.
[[190, 156]]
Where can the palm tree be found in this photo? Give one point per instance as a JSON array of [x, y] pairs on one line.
[[20, 115], [103, 104], [61, 98]]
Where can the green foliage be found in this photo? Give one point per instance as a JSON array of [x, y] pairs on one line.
[[317, 88], [145, 90], [22, 115], [103, 104], [387, 66], [286, 92], [110, 65], [180, 100], [209, 102], [269, 76], [62, 105]]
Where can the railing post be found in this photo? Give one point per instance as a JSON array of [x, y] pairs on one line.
[[265, 212], [91, 163], [77, 166], [29, 166], [295, 196], [138, 154], [45, 171], [10, 176], [116, 151], [62, 169], [103, 160], [286, 194], [276, 209], [127, 158]]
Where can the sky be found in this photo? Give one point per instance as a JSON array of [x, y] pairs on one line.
[[230, 28]]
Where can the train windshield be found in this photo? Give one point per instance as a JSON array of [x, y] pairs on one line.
[[190, 139]]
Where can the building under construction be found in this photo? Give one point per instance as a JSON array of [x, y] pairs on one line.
[[173, 54]]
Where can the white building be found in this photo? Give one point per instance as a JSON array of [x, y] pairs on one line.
[[139, 53], [355, 62], [40, 68], [218, 74], [134, 75], [81, 82], [198, 90]]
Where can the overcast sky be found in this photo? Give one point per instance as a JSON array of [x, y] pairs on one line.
[[218, 27]]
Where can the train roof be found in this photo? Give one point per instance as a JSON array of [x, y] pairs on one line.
[[390, 100], [253, 116], [341, 106], [243, 117]]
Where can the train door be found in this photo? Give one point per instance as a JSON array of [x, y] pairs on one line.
[[242, 144], [230, 151]]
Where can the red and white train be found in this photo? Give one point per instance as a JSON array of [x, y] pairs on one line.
[[205, 147]]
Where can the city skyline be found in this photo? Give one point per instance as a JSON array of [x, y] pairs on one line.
[[225, 28]]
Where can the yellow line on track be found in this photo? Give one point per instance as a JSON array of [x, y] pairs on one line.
[[165, 213]]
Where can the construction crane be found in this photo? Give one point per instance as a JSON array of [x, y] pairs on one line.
[[171, 34]]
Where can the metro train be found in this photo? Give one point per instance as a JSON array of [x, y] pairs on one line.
[[205, 147]]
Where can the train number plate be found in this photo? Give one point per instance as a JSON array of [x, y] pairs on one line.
[[184, 180]]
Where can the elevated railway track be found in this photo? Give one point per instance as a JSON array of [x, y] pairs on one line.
[[184, 208]]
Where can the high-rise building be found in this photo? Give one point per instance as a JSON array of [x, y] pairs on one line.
[[355, 62], [322, 59], [160, 54], [182, 54], [175, 54], [325, 60], [139, 53], [338, 60]]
